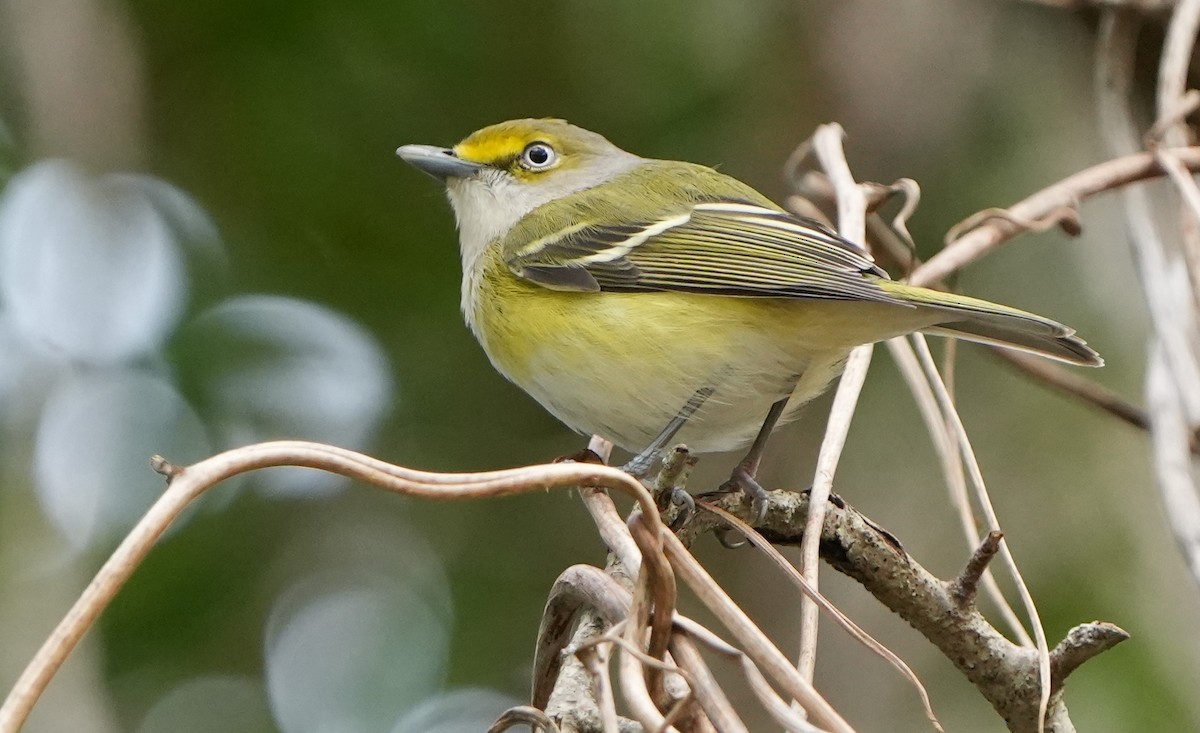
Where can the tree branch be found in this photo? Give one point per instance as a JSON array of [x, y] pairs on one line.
[[1005, 673], [1069, 192]]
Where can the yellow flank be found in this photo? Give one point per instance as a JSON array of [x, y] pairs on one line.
[[570, 349]]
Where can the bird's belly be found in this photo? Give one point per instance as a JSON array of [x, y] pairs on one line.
[[622, 365]]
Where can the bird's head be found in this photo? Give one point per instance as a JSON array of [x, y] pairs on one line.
[[499, 174]]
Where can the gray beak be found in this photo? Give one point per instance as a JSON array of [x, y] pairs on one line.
[[441, 163]]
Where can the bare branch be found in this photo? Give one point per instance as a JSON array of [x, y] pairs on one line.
[[1173, 462], [1173, 376], [538, 721], [1005, 673], [851, 205], [594, 658], [574, 700], [755, 643], [1106, 176], [856, 631], [709, 695], [1149, 7], [186, 484], [653, 599], [955, 425], [946, 443], [883, 238], [578, 588], [784, 714], [1081, 644], [635, 691], [1064, 217], [966, 585]]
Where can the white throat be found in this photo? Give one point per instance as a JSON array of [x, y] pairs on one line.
[[487, 206]]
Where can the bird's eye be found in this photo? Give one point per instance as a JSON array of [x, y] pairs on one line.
[[538, 156]]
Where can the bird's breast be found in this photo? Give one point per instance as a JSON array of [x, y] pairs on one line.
[[623, 364]]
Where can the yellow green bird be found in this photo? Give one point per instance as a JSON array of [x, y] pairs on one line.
[[647, 301]]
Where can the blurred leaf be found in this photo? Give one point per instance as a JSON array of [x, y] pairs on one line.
[[89, 267], [352, 659], [283, 368], [94, 441]]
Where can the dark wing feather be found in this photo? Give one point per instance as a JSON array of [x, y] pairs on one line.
[[719, 248]]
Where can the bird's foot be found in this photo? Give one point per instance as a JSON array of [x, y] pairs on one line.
[[744, 480], [687, 507]]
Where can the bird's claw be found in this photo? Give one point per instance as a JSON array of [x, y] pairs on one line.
[[687, 507], [759, 499], [723, 536]]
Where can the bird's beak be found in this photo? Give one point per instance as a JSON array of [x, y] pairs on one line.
[[441, 163]]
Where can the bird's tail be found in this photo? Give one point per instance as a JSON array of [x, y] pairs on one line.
[[973, 319]]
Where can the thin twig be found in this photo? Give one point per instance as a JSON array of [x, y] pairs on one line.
[[950, 455], [1173, 466], [633, 686], [1063, 217], [756, 645], [966, 585], [594, 659], [827, 143], [525, 715], [1107, 176], [709, 695], [993, 522], [857, 632], [884, 239], [912, 199], [188, 483], [1071, 382], [1173, 374], [1149, 7], [1081, 644], [1175, 102], [573, 702], [654, 598], [784, 714]]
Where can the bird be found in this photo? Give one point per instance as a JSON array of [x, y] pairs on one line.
[[649, 301]]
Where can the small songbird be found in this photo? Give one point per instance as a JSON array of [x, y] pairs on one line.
[[647, 301]]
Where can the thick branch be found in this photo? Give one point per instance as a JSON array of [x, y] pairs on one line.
[[579, 588], [1005, 673]]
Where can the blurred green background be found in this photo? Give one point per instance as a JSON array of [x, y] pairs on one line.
[[315, 294]]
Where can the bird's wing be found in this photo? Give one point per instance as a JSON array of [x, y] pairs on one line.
[[714, 247]]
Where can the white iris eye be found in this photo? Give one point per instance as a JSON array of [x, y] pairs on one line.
[[538, 156]]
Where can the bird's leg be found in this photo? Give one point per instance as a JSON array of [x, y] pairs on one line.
[[744, 476], [639, 466]]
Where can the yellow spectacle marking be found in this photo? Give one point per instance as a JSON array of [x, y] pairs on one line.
[[490, 150], [501, 142]]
